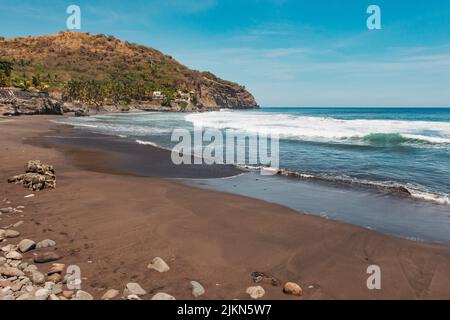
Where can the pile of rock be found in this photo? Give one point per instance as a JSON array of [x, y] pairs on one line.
[[38, 176]]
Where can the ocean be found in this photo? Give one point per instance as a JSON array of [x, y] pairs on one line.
[[365, 151]]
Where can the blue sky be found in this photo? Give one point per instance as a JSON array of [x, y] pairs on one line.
[[286, 52]]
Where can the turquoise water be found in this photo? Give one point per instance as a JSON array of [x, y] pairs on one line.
[[382, 147]]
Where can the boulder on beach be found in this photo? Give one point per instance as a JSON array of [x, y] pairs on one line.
[[45, 257], [159, 265], [38, 176]]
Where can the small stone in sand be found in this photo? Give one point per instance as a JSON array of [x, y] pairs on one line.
[[14, 255], [133, 297], [18, 224], [46, 244], [29, 196], [26, 245], [37, 277], [42, 294], [56, 277], [7, 210], [197, 289], [11, 272], [111, 294], [11, 234], [159, 265], [134, 288], [68, 294], [163, 296], [293, 289], [45, 257], [56, 268], [256, 292], [83, 295]]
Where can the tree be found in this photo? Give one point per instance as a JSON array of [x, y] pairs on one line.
[[6, 68]]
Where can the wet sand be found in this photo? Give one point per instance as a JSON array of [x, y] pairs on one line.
[[112, 224]]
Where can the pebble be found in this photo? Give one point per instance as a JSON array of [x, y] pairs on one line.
[[30, 268], [68, 294], [159, 265], [197, 289], [2, 261], [56, 268], [11, 234], [8, 248], [25, 296], [256, 292], [56, 277], [7, 210], [14, 255], [83, 295], [293, 289], [134, 289], [47, 243], [26, 245], [45, 257], [110, 294], [42, 294], [53, 297], [133, 297], [29, 196], [37, 277], [18, 224], [11, 272], [163, 296]]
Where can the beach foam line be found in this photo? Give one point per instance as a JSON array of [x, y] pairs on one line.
[[389, 187]]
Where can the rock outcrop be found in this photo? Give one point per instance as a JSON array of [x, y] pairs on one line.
[[15, 102]]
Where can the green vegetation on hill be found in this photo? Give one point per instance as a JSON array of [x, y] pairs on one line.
[[98, 69]]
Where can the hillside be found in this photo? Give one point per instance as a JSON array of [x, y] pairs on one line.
[[99, 70]]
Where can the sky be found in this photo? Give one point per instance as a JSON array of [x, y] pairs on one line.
[[285, 52]]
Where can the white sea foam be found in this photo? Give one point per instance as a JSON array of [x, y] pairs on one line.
[[325, 129], [147, 143]]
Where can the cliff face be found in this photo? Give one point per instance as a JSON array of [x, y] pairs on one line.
[[59, 59], [15, 102]]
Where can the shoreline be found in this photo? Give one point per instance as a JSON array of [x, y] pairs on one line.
[[113, 225]]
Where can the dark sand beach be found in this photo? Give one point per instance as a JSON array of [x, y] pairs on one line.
[[112, 222]]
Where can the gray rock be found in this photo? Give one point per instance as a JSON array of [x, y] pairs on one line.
[[197, 289], [159, 265], [110, 294], [42, 294], [256, 292], [11, 272], [163, 296], [83, 295], [25, 296], [45, 257], [26, 245], [11, 234], [2, 261], [14, 255], [30, 268], [47, 243], [37, 277], [134, 289], [7, 210], [18, 224], [133, 297], [9, 248]]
